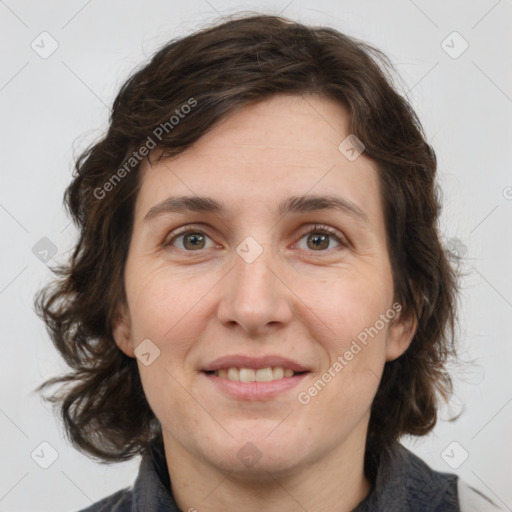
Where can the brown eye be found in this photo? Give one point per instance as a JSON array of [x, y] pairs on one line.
[[189, 241], [318, 241], [193, 241]]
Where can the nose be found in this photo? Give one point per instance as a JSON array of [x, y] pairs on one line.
[[255, 296]]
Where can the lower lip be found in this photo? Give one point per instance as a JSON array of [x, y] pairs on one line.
[[254, 390]]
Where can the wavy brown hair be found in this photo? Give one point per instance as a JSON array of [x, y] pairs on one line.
[[223, 68]]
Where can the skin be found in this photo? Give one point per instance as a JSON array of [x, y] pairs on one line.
[[294, 300]]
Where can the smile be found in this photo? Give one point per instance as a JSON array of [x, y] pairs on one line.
[[255, 375]]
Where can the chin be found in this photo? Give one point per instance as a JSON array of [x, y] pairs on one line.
[[268, 467], [255, 456]]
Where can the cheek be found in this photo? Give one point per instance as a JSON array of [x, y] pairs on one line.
[[344, 389], [354, 342], [163, 301], [348, 305]]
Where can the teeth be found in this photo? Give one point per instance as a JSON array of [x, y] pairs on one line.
[[246, 375], [264, 375], [250, 375], [277, 373]]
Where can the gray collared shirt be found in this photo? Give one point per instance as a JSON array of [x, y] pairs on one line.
[[403, 483]]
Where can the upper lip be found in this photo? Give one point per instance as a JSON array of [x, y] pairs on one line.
[[242, 361]]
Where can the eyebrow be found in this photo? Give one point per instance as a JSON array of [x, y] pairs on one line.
[[293, 204]]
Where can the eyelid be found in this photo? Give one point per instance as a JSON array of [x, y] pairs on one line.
[[310, 228], [183, 230], [340, 237]]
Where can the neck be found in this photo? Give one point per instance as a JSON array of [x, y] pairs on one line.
[[335, 481]]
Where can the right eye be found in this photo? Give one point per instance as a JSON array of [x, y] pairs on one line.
[[188, 240]]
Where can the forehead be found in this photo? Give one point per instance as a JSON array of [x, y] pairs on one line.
[[281, 147]]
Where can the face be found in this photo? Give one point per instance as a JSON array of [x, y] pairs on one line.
[[261, 326]]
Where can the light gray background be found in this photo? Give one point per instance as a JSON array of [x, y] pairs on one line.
[[55, 106]]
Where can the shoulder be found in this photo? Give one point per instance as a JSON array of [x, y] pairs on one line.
[[405, 482], [151, 491], [426, 489], [439, 491], [121, 501]]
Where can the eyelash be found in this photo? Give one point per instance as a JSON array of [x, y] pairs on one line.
[[316, 228]]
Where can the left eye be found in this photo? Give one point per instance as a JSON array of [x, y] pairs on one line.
[[319, 239]]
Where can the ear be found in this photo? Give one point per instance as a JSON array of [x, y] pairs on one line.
[[121, 330], [400, 335]]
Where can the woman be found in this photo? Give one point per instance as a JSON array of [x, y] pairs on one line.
[[259, 302]]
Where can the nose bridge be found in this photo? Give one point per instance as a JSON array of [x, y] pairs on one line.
[[252, 267], [253, 296]]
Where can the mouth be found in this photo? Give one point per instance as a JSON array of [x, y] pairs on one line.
[[254, 378], [267, 374]]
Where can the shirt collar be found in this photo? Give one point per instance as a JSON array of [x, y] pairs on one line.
[[152, 491], [403, 482]]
